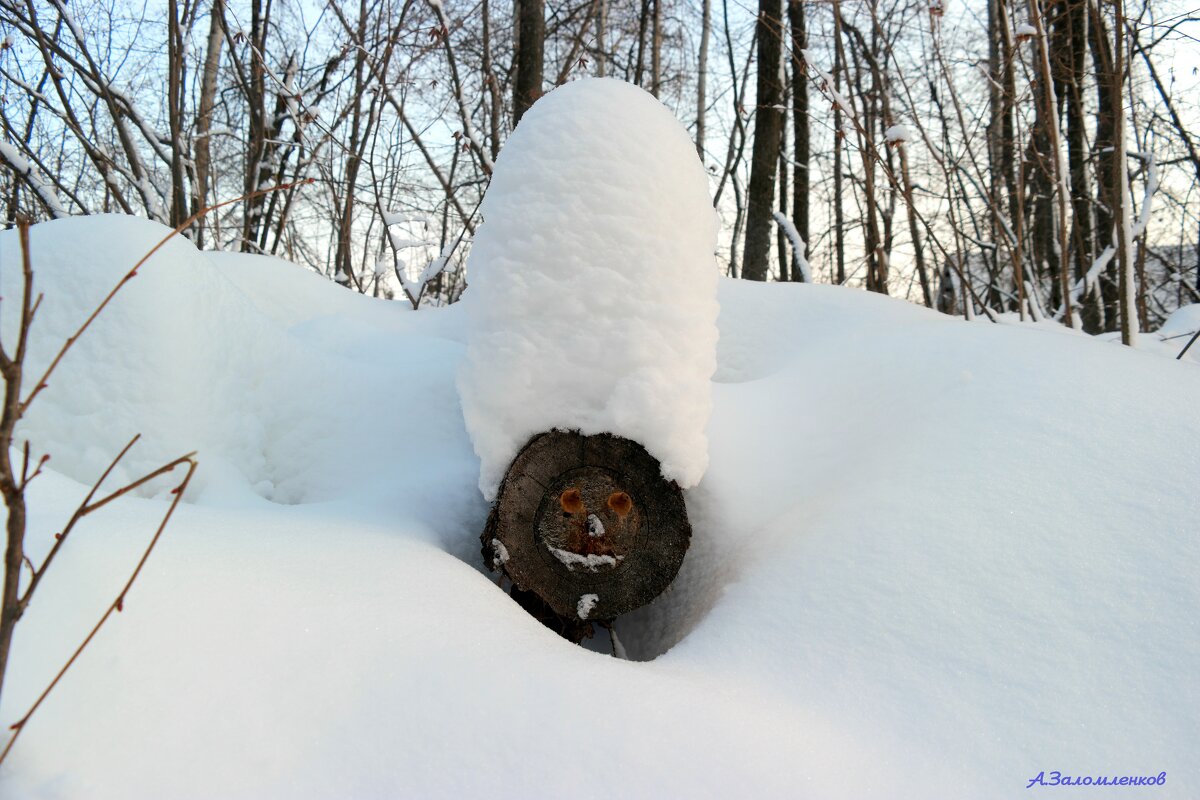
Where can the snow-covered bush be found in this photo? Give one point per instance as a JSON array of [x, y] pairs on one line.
[[592, 280]]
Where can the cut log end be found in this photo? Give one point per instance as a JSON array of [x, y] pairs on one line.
[[586, 528]]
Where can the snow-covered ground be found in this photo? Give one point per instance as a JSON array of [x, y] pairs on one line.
[[931, 558]]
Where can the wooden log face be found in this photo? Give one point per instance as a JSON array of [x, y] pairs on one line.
[[588, 524], [582, 523]]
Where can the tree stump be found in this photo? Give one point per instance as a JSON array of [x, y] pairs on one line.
[[586, 528]]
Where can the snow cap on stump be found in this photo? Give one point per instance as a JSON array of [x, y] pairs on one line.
[[593, 280]]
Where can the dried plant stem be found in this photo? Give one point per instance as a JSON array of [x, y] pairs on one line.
[[13, 602], [118, 604]]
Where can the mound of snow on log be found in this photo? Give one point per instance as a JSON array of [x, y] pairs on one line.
[[930, 558], [592, 296]]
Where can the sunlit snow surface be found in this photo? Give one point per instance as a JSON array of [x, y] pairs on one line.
[[931, 558]]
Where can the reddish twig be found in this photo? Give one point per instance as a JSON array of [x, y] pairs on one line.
[[118, 604], [61, 537]]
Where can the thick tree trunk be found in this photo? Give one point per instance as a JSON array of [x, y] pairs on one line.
[[781, 239], [800, 148], [601, 37], [1005, 198], [1123, 208], [1074, 24], [208, 93], [258, 166], [1102, 64], [531, 24], [1055, 166], [768, 135]]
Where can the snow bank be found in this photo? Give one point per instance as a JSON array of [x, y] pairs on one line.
[[240, 357], [929, 559], [592, 283]]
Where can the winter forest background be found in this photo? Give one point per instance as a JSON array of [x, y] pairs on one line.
[[958, 154]]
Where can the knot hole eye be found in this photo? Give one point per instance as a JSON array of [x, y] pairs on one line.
[[620, 503], [571, 501]]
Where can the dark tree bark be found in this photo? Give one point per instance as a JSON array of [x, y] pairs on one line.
[[1005, 197], [1073, 23], [176, 80], [1039, 184], [800, 148], [702, 78], [1102, 63], [208, 93], [781, 239], [656, 49], [643, 24], [531, 38], [839, 219], [1056, 250], [258, 168], [1122, 210], [768, 136]]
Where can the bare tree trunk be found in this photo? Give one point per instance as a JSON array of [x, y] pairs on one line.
[[643, 24], [781, 238], [877, 270], [914, 230], [656, 49], [601, 32], [702, 78], [839, 134], [489, 81], [258, 169], [1005, 198], [1073, 20], [176, 77], [1123, 209], [1057, 166], [1106, 161], [801, 186], [768, 135], [531, 24], [208, 93]]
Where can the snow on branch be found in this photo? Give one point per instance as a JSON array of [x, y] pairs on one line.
[[826, 84], [1143, 219], [1089, 282], [897, 135], [799, 262], [415, 289], [44, 191]]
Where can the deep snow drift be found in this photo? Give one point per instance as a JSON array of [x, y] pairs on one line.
[[931, 558], [592, 298]]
